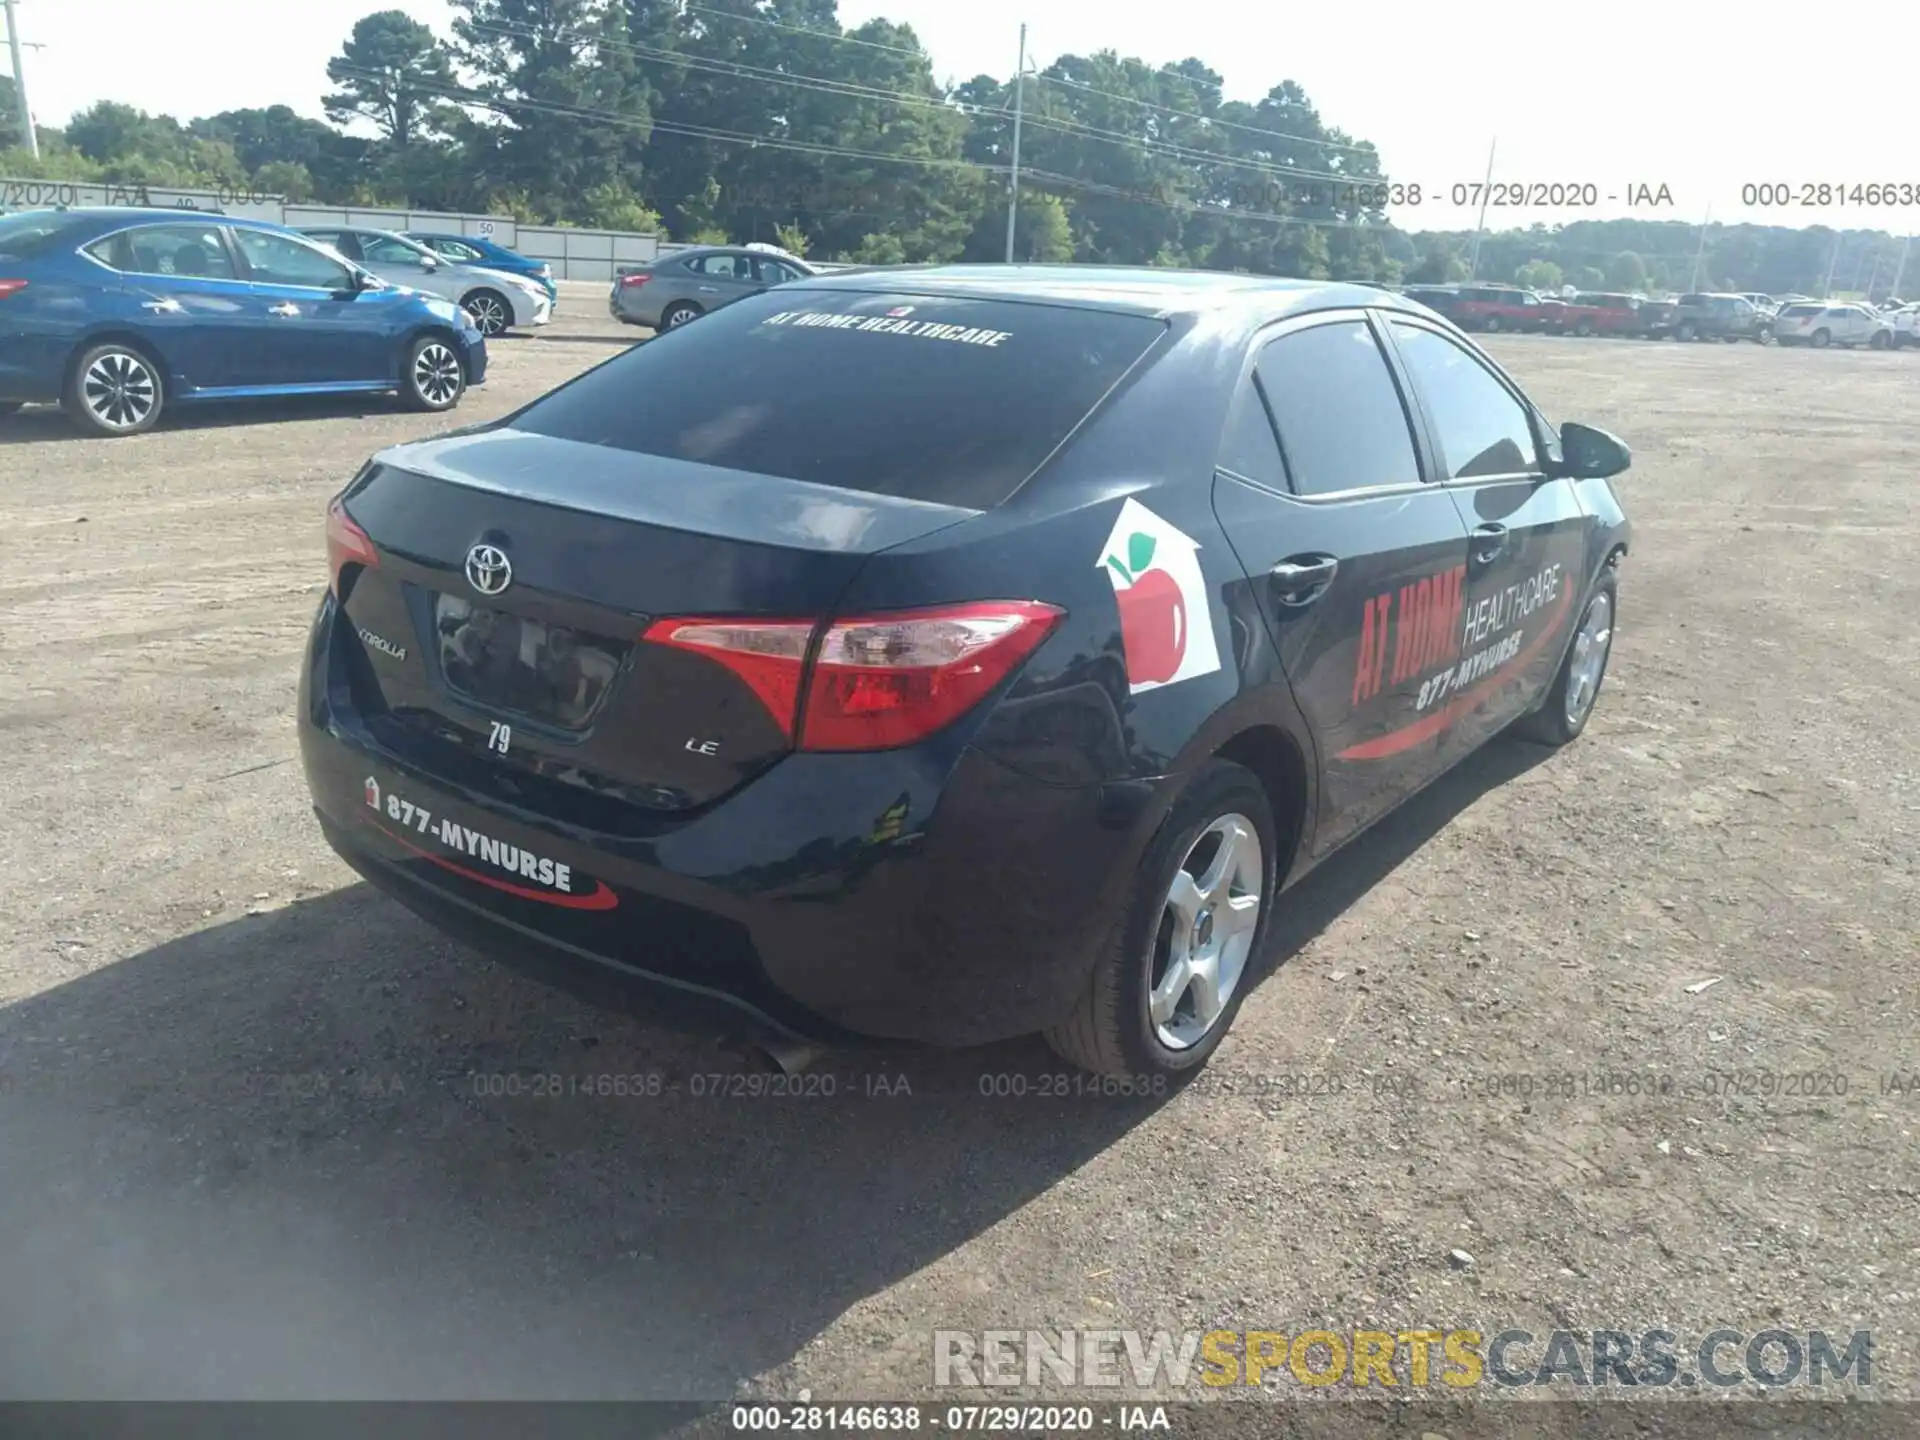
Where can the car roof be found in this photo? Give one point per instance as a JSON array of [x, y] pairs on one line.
[[117, 216], [1139, 290]]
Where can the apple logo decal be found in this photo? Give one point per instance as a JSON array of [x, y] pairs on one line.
[[1166, 626]]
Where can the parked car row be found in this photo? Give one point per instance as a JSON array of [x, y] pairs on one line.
[[120, 314], [1763, 319]]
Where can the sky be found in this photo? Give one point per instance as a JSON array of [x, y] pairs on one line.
[[1692, 98]]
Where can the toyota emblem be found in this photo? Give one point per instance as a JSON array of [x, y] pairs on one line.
[[488, 569]]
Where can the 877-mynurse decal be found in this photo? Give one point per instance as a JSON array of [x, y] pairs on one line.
[[1166, 624]]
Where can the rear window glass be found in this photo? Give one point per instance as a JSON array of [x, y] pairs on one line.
[[938, 398], [33, 231]]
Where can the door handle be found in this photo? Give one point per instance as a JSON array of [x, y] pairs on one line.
[[1302, 579], [1489, 543], [163, 307], [285, 308], [709, 289]]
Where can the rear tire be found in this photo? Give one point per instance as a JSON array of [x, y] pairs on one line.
[[681, 312], [1685, 331], [1583, 327], [1490, 324], [433, 378], [1115, 1030], [1879, 341], [1568, 704], [1821, 339], [115, 390]]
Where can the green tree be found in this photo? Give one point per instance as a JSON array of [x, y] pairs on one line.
[[1540, 275], [1628, 272], [393, 71], [568, 112]]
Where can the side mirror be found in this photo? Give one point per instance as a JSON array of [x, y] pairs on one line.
[[429, 262], [1590, 454]]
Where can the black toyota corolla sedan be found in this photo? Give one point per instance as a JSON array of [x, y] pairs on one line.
[[954, 653]]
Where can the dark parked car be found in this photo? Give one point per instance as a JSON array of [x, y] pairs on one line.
[[120, 314], [1719, 317], [951, 653]]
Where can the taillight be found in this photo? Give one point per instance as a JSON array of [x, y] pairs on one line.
[[770, 655], [627, 282], [347, 544], [10, 287], [875, 682]]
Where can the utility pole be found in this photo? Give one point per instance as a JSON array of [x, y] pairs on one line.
[[1700, 254], [1473, 263], [1833, 263], [20, 82], [1019, 104], [1901, 269]]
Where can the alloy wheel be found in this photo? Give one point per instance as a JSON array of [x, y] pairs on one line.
[[682, 316], [436, 374], [1205, 934], [120, 390], [489, 314], [1589, 662]]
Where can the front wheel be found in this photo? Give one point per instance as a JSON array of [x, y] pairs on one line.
[[1176, 965], [1490, 324], [1822, 339], [1685, 332], [489, 311], [1569, 700], [434, 378], [1880, 340], [1583, 327], [115, 390]]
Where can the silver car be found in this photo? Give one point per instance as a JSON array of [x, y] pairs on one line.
[[495, 299], [685, 285]]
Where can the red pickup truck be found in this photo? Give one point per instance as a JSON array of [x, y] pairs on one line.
[[1501, 307], [1600, 313]]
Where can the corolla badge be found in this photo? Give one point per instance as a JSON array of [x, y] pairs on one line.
[[488, 569]]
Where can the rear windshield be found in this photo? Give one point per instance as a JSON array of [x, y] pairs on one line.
[[32, 231], [1794, 310], [938, 398]]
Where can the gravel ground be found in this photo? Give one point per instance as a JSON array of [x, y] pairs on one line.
[[244, 1151]]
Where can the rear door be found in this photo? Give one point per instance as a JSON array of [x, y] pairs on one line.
[[1357, 562], [1528, 536], [723, 278], [192, 300]]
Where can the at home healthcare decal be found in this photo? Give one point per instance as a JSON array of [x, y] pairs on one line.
[[1166, 625]]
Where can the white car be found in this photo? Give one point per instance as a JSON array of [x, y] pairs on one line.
[[1820, 324], [496, 300], [1906, 325]]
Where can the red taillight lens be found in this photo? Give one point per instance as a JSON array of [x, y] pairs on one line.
[[347, 544], [9, 287], [627, 282], [770, 655], [889, 680], [877, 682]]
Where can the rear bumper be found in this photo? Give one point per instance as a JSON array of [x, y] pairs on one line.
[[929, 895]]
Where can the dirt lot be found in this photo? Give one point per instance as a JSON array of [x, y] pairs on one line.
[[243, 1151]]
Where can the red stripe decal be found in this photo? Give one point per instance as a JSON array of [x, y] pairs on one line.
[[601, 899], [1428, 726]]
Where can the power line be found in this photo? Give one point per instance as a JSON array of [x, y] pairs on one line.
[[852, 89], [1205, 119], [814, 32]]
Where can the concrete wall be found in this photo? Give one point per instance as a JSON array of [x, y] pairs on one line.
[[574, 254]]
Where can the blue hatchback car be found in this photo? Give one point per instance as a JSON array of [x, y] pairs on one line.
[[477, 250], [119, 314]]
